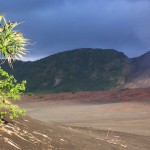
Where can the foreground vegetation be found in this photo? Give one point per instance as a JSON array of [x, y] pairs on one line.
[[12, 45]]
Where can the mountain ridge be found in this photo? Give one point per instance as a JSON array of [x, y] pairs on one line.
[[83, 69]]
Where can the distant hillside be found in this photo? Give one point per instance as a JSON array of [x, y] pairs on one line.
[[139, 76], [76, 70]]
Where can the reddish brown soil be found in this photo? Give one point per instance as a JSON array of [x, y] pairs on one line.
[[94, 96]]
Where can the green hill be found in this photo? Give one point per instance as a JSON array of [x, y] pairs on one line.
[[76, 70]]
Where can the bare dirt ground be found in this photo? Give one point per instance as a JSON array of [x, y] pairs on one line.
[[129, 117], [96, 120], [31, 134]]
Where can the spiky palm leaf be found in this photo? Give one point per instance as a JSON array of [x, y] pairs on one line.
[[12, 42]]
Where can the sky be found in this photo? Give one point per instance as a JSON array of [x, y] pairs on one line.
[[58, 25]]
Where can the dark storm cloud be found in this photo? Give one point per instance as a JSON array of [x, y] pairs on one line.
[[57, 25]]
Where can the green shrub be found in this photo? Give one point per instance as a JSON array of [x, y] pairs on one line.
[[12, 47], [10, 90], [12, 42]]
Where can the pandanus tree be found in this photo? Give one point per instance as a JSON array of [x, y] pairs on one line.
[[12, 47]]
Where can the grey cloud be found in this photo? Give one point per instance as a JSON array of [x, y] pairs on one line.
[[29, 5], [57, 25]]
